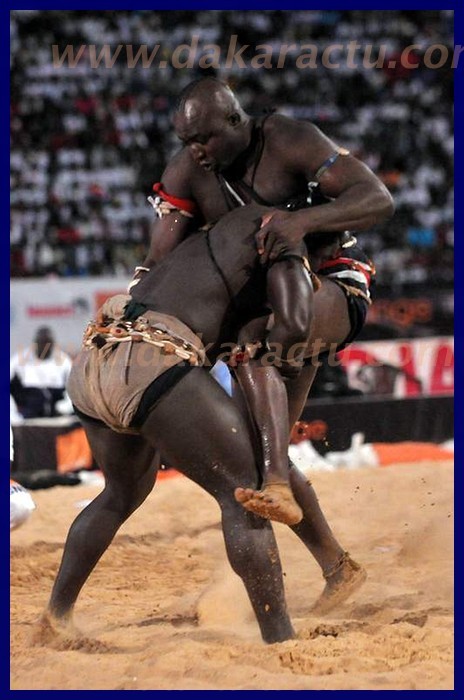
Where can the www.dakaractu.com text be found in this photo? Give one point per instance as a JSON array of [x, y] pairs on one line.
[[233, 55]]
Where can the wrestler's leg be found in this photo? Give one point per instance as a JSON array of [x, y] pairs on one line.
[[267, 399], [331, 326], [298, 390], [129, 464], [313, 529], [343, 575], [212, 447], [331, 321]]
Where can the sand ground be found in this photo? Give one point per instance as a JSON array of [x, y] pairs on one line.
[[171, 614]]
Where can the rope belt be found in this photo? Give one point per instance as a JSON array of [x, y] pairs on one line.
[[140, 331]]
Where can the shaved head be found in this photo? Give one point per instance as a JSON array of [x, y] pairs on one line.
[[209, 119], [209, 90]]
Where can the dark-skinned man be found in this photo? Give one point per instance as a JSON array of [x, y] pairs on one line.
[[319, 191]]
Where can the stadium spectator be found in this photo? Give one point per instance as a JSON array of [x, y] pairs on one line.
[[88, 142], [38, 376]]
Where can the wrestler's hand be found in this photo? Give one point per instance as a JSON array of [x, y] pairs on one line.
[[279, 232]]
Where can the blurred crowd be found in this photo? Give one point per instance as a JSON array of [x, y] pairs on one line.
[[87, 143]]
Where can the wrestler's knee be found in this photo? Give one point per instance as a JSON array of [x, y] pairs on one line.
[[237, 522], [125, 497], [142, 489]]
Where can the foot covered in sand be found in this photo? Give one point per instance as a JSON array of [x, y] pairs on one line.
[[60, 634], [274, 502], [344, 579]]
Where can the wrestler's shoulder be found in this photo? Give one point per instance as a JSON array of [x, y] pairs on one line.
[[180, 173], [279, 126], [282, 131]]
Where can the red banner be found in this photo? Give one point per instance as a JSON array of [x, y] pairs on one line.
[[418, 367]]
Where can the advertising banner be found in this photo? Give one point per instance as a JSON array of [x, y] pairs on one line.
[[63, 305], [401, 368]]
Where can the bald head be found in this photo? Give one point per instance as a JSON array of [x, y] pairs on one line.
[[207, 90], [209, 119]]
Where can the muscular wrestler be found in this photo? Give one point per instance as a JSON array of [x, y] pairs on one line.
[[318, 191], [140, 367], [230, 159]]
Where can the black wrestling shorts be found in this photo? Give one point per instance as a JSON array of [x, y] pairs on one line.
[[354, 273]]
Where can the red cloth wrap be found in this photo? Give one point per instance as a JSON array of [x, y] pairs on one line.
[[184, 204]]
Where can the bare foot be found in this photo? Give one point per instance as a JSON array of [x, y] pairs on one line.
[[344, 580], [274, 502], [61, 634]]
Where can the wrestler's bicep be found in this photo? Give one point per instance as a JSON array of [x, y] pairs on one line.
[[166, 234], [175, 208], [178, 174], [307, 151], [303, 147], [327, 162]]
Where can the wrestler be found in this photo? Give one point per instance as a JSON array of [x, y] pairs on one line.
[[318, 192], [208, 285]]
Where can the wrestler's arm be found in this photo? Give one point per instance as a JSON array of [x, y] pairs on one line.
[[170, 229], [360, 199]]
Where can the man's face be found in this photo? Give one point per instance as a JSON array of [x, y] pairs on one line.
[[214, 132]]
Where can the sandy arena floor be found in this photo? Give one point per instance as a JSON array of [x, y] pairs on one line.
[[172, 616]]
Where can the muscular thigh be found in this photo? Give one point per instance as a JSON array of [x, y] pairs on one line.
[[331, 322], [199, 430], [123, 458]]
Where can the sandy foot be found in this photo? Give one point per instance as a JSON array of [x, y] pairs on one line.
[[347, 579], [274, 502], [63, 636]]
